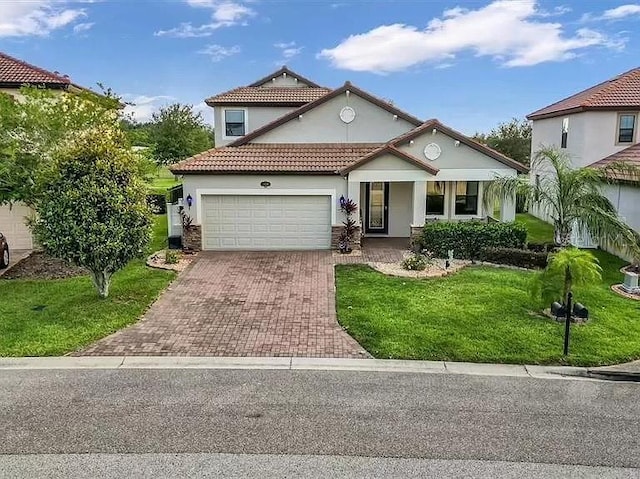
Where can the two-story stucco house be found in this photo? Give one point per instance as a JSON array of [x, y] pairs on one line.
[[14, 74], [595, 127], [289, 149]]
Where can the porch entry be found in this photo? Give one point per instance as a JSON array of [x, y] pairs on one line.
[[376, 216]]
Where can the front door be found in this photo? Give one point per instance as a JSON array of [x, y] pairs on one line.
[[377, 212]]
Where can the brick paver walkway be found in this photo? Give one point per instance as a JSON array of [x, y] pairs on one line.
[[242, 304]]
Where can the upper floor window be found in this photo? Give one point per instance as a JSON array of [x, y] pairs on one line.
[[235, 122], [467, 197], [626, 127], [565, 132], [435, 198]]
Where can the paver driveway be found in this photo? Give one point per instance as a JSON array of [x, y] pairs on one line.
[[242, 304]]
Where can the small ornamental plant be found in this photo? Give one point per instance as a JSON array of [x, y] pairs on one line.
[[417, 261], [171, 256], [348, 207]]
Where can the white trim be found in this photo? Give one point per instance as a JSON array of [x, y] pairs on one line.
[[473, 174], [224, 122], [367, 176], [200, 192], [479, 210], [447, 193]]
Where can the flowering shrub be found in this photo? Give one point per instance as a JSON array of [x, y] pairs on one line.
[[417, 262]]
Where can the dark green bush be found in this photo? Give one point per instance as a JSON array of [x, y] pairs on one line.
[[468, 239], [542, 247], [523, 258]]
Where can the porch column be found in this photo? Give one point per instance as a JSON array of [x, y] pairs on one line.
[[353, 193], [419, 203], [508, 209]]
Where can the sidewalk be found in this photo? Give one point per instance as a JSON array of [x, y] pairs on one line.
[[295, 363]]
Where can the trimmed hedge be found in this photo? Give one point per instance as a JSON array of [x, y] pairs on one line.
[[469, 239], [523, 258]]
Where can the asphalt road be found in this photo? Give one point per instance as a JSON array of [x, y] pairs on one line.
[[238, 423]]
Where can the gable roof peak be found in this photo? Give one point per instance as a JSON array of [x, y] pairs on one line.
[[284, 70]]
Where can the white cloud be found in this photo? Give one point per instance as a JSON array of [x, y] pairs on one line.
[[206, 111], [218, 52], [141, 107], [510, 32], [83, 27], [19, 18], [224, 13], [288, 50], [621, 12]]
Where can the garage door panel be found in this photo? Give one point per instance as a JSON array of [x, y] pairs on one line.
[[266, 222], [13, 226]]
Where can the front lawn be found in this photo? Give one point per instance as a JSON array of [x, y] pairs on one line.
[[538, 231], [54, 317], [162, 181], [482, 314]]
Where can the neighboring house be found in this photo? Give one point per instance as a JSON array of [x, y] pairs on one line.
[[291, 149], [595, 127], [14, 74]]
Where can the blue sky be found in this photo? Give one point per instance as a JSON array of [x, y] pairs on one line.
[[471, 64]]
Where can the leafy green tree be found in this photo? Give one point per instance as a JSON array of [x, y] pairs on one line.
[[567, 268], [91, 205], [36, 124], [512, 138], [177, 132], [571, 197]]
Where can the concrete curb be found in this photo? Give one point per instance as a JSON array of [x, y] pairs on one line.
[[294, 363]]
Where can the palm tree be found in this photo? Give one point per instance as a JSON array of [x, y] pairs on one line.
[[567, 268], [571, 197]]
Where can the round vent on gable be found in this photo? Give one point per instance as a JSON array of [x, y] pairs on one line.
[[432, 151], [347, 114]]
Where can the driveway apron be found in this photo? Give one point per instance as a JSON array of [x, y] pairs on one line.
[[242, 304]]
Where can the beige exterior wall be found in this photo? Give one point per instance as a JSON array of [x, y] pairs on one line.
[[323, 125], [13, 226], [400, 209], [389, 162], [284, 81], [452, 157], [256, 117], [197, 185]]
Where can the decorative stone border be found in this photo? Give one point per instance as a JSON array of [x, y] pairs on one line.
[[617, 288], [435, 270], [156, 260]]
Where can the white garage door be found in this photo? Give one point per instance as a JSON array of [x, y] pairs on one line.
[[12, 225], [266, 222]]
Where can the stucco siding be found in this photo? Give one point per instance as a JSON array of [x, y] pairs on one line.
[[257, 117], [400, 209], [282, 81], [452, 157], [372, 124], [389, 162], [194, 184]]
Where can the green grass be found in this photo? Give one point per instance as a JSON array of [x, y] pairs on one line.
[[73, 314], [538, 230], [163, 181], [483, 314]]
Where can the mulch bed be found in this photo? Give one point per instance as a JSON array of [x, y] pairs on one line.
[[42, 266]]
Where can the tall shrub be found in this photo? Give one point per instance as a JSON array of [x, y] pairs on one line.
[[469, 239], [91, 208]]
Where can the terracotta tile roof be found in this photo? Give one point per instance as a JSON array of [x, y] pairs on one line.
[[389, 149], [284, 70], [299, 158], [622, 91], [17, 72], [268, 96], [629, 156]]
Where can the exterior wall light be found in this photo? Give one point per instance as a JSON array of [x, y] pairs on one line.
[[189, 201], [265, 184]]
